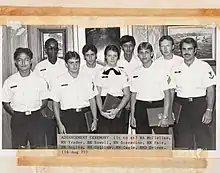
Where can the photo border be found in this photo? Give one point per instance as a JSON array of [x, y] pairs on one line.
[[197, 12]]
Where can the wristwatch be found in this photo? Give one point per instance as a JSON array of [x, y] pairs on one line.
[[210, 110]]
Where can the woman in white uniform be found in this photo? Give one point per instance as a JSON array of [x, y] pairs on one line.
[[114, 81], [150, 89]]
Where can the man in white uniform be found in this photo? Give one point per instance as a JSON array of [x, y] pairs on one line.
[[168, 60], [74, 92], [195, 82], [90, 55], [129, 63], [49, 69], [24, 94]]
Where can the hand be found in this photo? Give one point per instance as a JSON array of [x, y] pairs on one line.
[[113, 113], [47, 113], [94, 125], [105, 114], [163, 121], [132, 121], [61, 128], [207, 117]]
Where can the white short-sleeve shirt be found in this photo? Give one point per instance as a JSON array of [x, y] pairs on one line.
[[166, 65], [24, 93], [91, 72], [73, 93], [50, 71], [150, 83], [112, 84], [193, 80], [129, 67]]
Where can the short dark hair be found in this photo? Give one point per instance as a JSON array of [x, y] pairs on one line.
[[127, 38], [188, 40], [88, 47], [71, 55], [145, 45], [113, 48], [166, 37], [20, 50], [50, 40]]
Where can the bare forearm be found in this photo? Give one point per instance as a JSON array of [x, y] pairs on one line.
[[172, 94], [210, 97], [124, 101], [133, 101], [99, 102], [56, 109], [166, 102], [8, 108], [93, 108]]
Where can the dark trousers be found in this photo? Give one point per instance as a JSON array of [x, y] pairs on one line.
[[141, 116], [111, 126], [50, 127], [190, 130], [74, 122], [27, 128]]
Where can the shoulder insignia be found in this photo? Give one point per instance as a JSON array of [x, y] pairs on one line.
[[211, 75], [169, 79], [93, 86]]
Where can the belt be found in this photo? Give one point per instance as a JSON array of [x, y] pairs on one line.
[[26, 112], [191, 99], [85, 109]]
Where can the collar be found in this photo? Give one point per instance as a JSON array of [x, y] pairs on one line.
[[57, 62], [30, 75], [122, 58], [193, 64]]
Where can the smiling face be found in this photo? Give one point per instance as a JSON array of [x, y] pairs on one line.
[[23, 62], [128, 48]]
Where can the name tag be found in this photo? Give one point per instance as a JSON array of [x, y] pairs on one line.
[[64, 84], [43, 69], [28, 113], [177, 72], [135, 76], [104, 76], [14, 86]]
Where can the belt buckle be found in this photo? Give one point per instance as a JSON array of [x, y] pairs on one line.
[[78, 109], [190, 99], [28, 113]]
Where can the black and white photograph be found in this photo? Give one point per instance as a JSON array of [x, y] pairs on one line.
[[131, 80]]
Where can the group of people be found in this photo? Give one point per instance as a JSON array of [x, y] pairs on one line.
[[56, 95]]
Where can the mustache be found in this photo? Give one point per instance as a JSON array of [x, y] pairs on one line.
[[186, 54]]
